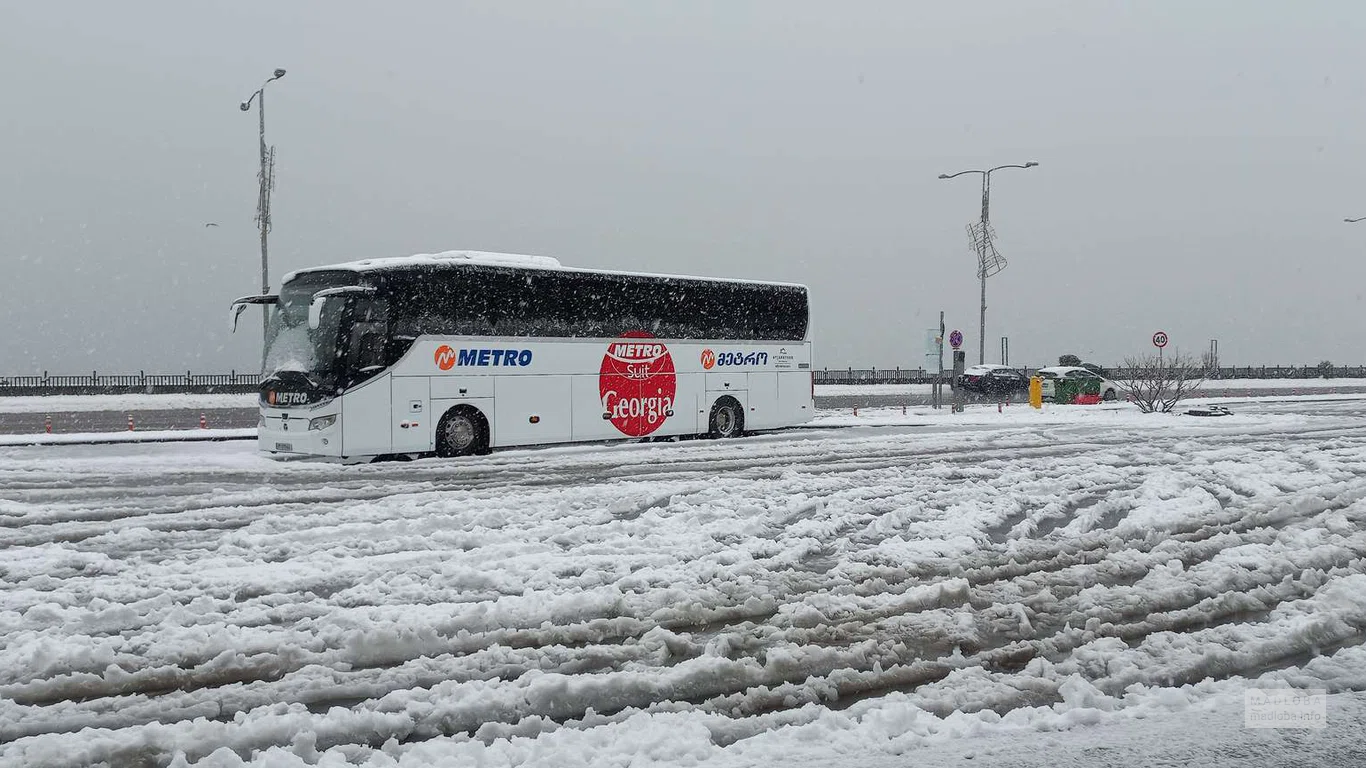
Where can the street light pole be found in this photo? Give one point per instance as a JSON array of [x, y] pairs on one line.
[[986, 266], [266, 177]]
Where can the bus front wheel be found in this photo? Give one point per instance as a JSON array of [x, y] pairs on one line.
[[463, 431], [727, 419]]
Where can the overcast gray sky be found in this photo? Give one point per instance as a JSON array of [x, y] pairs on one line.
[[1196, 162]]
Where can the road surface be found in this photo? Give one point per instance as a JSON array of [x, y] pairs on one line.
[[823, 597]]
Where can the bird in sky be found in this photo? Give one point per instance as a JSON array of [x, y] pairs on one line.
[[211, 224]]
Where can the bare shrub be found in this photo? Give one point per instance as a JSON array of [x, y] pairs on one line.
[[1157, 383]]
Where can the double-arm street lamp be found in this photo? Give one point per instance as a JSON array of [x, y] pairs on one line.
[[267, 181], [989, 262]]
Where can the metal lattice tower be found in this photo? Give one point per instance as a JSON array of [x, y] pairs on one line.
[[266, 178], [982, 239]]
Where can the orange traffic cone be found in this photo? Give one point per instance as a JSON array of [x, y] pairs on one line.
[[203, 422], [130, 422]]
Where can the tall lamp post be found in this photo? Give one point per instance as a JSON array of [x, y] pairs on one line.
[[989, 262], [266, 176]]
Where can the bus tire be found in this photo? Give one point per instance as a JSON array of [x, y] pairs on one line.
[[463, 431], [727, 419]]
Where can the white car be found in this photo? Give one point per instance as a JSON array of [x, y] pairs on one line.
[[1109, 391]]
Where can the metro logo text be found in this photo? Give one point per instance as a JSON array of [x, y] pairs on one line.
[[493, 357], [286, 398], [636, 351], [737, 358], [447, 358]]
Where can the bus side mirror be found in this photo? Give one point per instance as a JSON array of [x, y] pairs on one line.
[[234, 313], [315, 312]]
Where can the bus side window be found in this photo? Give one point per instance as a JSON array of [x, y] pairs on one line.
[[368, 334], [369, 350]]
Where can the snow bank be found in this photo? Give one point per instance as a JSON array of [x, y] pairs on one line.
[[73, 403], [148, 436], [1222, 385]]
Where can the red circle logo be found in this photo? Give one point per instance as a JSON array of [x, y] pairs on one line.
[[445, 357], [637, 383], [708, 359]]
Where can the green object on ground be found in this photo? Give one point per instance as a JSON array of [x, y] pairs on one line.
[[1065, 391]]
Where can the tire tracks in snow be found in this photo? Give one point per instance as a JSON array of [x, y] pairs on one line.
[[574, 649]]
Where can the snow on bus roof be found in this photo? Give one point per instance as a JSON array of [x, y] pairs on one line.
[[443, 257], [488, 258]]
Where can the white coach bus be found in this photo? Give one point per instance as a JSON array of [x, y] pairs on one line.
[[458, 353]]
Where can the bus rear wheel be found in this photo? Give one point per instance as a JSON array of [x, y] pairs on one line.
[[727, 419], [463, 431]]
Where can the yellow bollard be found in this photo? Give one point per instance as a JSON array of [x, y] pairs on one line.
[[1036, 391]]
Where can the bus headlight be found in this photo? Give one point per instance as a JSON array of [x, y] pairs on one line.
[[322, 422]]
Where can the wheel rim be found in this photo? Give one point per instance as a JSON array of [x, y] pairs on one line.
[[725, 421], [459, 433]]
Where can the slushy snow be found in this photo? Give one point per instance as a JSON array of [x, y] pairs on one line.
[[1028, 588]]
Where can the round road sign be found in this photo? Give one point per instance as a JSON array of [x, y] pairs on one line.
[[955, 338], [1160, 339]]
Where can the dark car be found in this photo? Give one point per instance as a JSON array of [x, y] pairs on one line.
[[995, 381]]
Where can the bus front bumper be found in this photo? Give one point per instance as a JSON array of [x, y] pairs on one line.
[[288, 432]]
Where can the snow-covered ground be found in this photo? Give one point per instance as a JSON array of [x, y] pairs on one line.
[[840, 390], [140, 402], [1076, 586], [150, 436]]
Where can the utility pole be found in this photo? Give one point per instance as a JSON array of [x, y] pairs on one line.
[[939, 371], [984, 242], [266, 179], [989, 261]]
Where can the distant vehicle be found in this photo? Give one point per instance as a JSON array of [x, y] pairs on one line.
[[457, 353], [1109, 391], [994, 380]]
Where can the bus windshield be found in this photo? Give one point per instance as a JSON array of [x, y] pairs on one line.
[[293, 347]]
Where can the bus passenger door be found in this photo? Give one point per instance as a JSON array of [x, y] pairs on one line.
[[410, 417]]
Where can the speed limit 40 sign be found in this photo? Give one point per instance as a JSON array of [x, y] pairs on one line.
[[1160, 339]]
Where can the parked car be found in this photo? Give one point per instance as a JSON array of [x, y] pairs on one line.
[[995, 381], [1109, 391]]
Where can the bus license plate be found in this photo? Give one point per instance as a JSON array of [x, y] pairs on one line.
[[284, 446]]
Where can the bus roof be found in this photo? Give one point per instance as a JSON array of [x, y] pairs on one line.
[[457, 259]]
